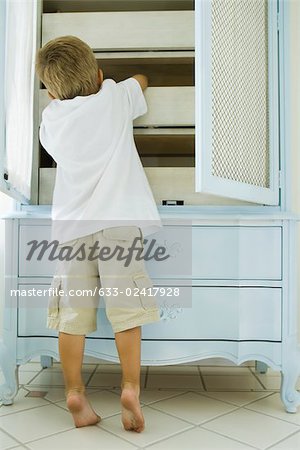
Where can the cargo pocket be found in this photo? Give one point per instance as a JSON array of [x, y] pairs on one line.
[[147, 298], [54, 298]]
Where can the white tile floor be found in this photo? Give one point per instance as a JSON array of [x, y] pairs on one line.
[[185, 407]]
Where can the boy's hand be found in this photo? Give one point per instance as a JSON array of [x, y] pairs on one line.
[[142, 79]]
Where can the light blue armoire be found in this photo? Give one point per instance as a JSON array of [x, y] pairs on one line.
[[216, 150]]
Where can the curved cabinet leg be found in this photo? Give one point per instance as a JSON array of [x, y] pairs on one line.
[[261, 367], [9, 388], [46, 361], [289, 377]]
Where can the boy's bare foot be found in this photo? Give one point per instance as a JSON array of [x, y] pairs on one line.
[[132, 416], [81, 410]]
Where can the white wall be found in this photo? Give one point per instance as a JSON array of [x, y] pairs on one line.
[[295, 120], [295, 99], [6, 204]]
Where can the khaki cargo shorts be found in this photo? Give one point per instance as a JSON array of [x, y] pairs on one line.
[[98, 269]]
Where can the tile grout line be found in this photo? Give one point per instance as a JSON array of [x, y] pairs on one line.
[[202, 378], [224, 414], [143, 406], [256, 377], [152, 443], [231, 438], [31, 379], [168, 437], [174, 395], [206, 394], [257, 412], [236, 407], [55, 403], [282, 440], [91, 375], [114, 434], [273, 417], [49, 435], [22, 446], [210, 431], [146, 377], [195, 424], [25, 410], [166, 398], [66, 409], [12, 437]]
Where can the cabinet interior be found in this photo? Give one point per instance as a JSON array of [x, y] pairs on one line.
[[159, 146], [166, 149], [52, 6]]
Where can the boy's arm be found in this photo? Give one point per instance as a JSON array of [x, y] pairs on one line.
[[142, 79], [134, 87]]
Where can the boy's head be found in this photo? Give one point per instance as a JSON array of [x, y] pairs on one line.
[[68, 67]]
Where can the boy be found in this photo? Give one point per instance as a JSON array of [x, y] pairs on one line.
[[101, 197]]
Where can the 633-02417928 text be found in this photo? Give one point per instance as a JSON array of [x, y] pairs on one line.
[[107, 292]]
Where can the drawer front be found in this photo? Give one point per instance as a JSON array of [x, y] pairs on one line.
[[211, 253], [33, 266], [214, 313], [219, 253], [246, 253], [219, 313], [32, 313]]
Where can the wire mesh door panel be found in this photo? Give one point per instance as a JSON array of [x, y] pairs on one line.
[[236, 99]]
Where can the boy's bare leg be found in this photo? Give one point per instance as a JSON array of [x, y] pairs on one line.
[[128, 344], [71, 348]]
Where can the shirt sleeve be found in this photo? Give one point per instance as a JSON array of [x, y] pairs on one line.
[[134, 96]]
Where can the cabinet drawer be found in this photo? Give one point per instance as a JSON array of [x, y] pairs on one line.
[[198, 252], [33, 266], [216, 313], [246, 253], [32, 313], [219, 313], [219, 253]]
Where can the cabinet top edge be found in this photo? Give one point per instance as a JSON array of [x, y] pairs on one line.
[[182, 214]]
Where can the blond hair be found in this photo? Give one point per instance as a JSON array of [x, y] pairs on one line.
[[67, 67]]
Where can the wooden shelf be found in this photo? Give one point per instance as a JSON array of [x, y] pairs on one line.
[[167, 106], [167, 145], [135, 30], [155, 150], [162, 68], [52, 6], [161, 71], [168, 161], [167, 183]]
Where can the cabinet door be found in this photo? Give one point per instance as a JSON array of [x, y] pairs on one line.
[[2, 118], [18, 99], [236, 99]]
